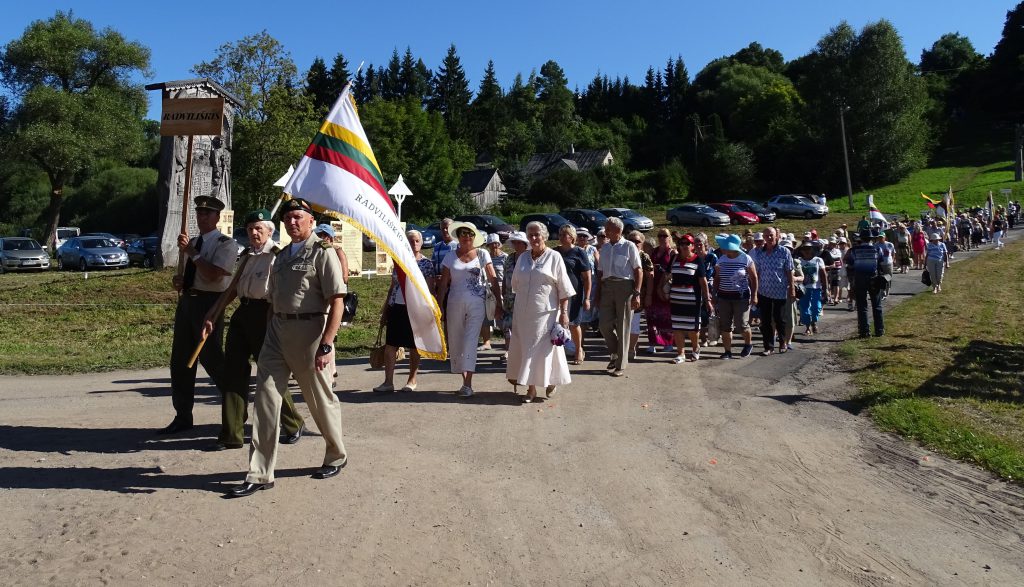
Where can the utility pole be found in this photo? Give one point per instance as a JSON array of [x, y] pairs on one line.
[[846, 158]]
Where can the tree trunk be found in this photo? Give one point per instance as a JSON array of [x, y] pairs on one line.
[[53, 216]]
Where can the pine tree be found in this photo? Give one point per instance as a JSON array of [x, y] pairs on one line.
[[390, 78], [318, 86], [488, 113], [450, 94], [339, 74], [557, 108]]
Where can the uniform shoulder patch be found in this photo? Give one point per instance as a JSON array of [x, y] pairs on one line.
[[324, 245], [223, 238], [275, 249]]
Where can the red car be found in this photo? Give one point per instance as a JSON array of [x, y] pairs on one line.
[[735, 214]]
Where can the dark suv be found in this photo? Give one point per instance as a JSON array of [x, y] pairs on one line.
[[592, 220], [489, 223], [553, 222]]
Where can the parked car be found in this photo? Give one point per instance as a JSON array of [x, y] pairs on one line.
[[631, 219], [85, 252], [128, 237], [64, 233], [118, 241], [796, 205], [763, 214], [22, 254], [736, 216], [701, 214], [430, 236], [592, 220], [143, 251], [553, 222], [489, 223]]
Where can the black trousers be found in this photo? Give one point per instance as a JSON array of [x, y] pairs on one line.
[[188, 328], [771, 319], [862, 292], [247, 330]]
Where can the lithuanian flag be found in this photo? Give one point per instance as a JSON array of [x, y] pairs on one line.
[[340, 173]]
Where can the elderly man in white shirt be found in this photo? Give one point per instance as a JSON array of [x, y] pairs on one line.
[[620, 276]]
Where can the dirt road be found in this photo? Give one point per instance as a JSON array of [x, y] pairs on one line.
[[749, 471]]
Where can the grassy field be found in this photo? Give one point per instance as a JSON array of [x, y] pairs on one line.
[[948, 373], [63, 322]]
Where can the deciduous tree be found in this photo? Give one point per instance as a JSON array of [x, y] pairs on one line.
[[75, 100]]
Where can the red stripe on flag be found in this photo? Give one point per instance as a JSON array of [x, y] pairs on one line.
[[338, 160]]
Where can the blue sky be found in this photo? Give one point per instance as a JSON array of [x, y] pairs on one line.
[[616, 38]]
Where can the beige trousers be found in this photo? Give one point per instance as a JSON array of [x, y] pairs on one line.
[[290, 350], [614, 317]]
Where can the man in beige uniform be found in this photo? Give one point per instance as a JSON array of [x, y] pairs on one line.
[[246, 334], [306, 296]]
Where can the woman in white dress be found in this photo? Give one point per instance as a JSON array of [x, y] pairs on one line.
[[466, 273], [542, 288]]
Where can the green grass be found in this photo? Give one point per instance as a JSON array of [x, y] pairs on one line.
[[61, 322], [948, 373]]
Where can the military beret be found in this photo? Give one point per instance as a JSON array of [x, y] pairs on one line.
[[296, 204], [257, 215], [209, 203]]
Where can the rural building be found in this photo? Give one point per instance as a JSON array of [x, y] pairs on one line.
[[484, 186], [542, 164]]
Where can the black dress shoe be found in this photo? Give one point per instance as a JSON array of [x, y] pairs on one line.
[[328, 471], [247, 489], [175, 426], [293, 438], [221, 446]]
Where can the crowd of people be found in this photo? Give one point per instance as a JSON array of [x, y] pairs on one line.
[[691, 290]]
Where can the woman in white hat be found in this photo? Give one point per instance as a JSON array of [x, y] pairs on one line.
[[466, 273]]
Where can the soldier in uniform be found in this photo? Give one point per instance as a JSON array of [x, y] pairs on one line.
[[211, 256], [865, 271], [306, 295], [245, 337]]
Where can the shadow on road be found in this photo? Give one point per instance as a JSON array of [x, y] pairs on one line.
[[125, 479], [101, 440], [852, 406]]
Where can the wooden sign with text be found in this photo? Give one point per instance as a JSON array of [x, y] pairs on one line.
[[192, 116]]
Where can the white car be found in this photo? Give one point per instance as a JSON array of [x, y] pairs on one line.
[[797, 205]]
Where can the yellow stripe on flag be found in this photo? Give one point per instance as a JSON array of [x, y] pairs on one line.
[[343, 134]]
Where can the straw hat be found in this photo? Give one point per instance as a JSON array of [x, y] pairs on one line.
[[478, 238]]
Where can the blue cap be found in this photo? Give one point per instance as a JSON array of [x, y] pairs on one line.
[[729, 243], [326, 229]]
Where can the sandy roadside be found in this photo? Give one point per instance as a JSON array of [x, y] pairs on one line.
[[752, 471]]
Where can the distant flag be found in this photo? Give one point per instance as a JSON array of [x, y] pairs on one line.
[[340, 173], [873, 212], [931, 203]]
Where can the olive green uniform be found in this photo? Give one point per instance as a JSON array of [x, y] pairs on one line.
[[302, 284], [198, 295], [248, 328]]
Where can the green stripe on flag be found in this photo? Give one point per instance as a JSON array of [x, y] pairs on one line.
[[343, 148]]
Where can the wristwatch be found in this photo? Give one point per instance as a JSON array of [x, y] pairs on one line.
[[325, 349], [636, 293]]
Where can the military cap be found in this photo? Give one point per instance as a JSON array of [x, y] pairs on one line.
[[296, 204], [260, 215], [208, 203]]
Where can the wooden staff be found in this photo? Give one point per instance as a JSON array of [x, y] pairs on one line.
[[218, 308], [184, 204]]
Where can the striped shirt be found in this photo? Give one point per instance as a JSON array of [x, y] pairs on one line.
[[732, 273]]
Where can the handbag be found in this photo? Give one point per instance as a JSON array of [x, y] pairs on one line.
[[714, 328], [377, 350], [926, 278], [351, 305]]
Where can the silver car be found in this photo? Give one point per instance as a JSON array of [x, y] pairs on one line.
[[22, 254], [85, 252], [796, 205], [631, 219], [697, 214]]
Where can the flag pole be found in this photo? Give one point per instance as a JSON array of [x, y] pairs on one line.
[[218, 308], [184, 204]]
